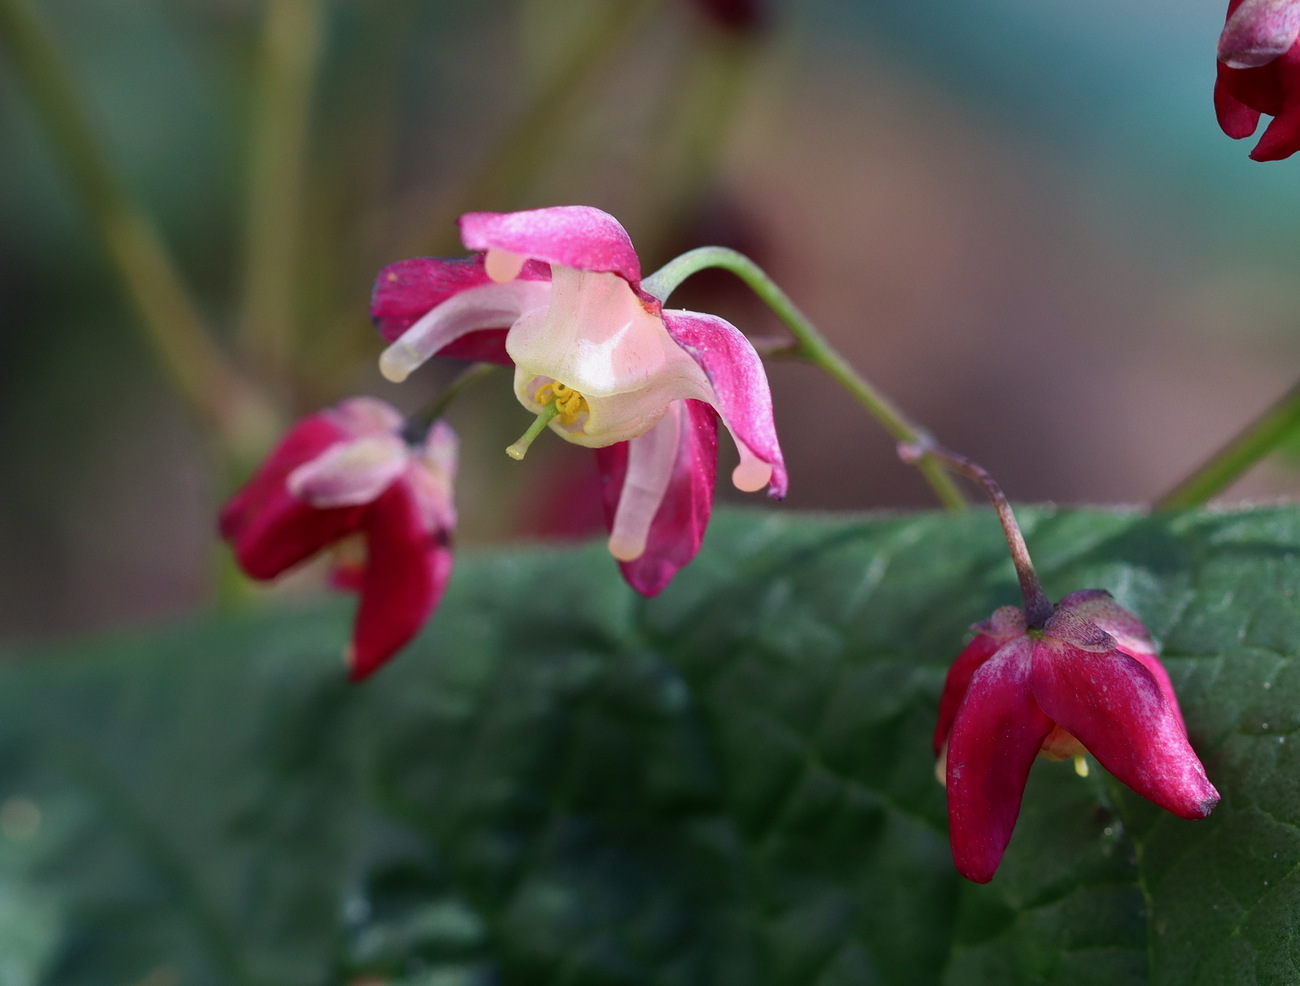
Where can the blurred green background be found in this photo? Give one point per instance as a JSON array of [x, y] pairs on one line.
[[1018, 218]]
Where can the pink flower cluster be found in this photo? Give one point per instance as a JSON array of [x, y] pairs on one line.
[[555, 293]]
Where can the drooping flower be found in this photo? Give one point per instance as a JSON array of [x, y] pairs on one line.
[[1259, 72], [557, 292], [1088, 679], [348, 475]]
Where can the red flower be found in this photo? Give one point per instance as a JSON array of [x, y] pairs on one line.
[[1089, 679], [348, 472], [1259, 72]]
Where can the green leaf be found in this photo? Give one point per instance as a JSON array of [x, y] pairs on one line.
[[732, 783]]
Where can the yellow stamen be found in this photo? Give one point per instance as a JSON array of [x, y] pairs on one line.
[[569, 403], [1080, 765]]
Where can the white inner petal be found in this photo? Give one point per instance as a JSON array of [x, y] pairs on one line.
[[650, 462], [487, 306], [349, 473], [598, 338], [595, 336]]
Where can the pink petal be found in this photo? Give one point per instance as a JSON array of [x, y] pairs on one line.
[[269, 529], [1281, 138], [569, 235], [1097, 606], [741, 395], [407, 569], [359, 416], [677, 526], [433, 476], [1117, 709], [351, 473], [1258, 31], [408, 290], [1236, 119], [405, 291], [995, 736], [483, 346], [489, 306], [984, 645]]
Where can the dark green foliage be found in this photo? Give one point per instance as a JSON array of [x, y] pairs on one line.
[[729, 784]]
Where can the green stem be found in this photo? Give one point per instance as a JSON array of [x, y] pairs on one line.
[[239, 416], [290, 51], [815, 349], [1226, 466]]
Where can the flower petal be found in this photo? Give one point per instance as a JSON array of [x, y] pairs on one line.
[[433, 475], [486, 306], [1117, 709], [348, 474], [359, 416], [1236, 119], [666, 514], [269, 529], [1281, 138], [408, 565], [1097, 606], [1258, 31], [597, 337], [569, 235], [996, 734], [405, 292], [740, 394], [957, 681]]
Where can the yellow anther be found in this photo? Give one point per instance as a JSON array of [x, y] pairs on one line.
[[568, 402], [1080, 765]]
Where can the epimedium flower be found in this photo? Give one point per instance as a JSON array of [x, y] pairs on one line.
[[557, 293], [344, 478], [1087, 678], [1259, 72]]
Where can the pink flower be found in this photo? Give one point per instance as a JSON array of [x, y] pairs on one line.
[[343, 475], [1089, 679], [557, 292], [1259, 72]]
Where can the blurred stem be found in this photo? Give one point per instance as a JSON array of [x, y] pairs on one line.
[[505, 169], [1226, 466], [815, 349], [239, 416], [290, 51]]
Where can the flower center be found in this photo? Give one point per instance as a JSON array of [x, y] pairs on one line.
[[569, 403]]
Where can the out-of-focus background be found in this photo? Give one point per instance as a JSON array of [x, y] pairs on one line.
[[1018, 218]]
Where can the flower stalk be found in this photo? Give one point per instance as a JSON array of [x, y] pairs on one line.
[[1038, 607], [813, 347]]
